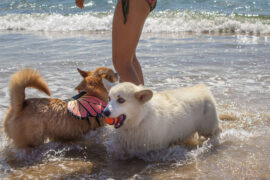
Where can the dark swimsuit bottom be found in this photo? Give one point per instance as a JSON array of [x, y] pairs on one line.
[[125, 7]]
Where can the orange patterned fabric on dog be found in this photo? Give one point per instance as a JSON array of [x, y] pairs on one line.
[[83, 106]]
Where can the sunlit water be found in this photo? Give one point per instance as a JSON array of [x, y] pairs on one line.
[[235, 67]]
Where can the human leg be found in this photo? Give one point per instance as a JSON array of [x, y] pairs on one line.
[[138, 69], [125, 38]]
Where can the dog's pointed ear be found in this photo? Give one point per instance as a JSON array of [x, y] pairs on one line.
[[107, 84], [144, 95], [107, 73], [101, 71], [82, 73]]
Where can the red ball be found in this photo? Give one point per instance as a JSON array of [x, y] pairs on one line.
[[111, 121]]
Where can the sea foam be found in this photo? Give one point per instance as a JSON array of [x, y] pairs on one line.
[[158, 22]]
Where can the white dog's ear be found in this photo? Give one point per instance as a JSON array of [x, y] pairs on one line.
[[107, 84], [144, 95]]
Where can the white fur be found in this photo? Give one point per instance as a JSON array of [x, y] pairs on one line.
[[169, 116]]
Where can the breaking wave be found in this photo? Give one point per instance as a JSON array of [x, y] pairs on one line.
[[158, 22]]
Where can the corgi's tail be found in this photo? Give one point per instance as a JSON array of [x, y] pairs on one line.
[[19, 81]]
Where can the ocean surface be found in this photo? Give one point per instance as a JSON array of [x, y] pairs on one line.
[[200, 16], [223, 44]]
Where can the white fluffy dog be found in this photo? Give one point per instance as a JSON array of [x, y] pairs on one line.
[[150, 120]]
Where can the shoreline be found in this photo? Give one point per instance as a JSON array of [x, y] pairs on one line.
[[74, 34]]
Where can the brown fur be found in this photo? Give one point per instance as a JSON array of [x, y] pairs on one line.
[[29, 122]]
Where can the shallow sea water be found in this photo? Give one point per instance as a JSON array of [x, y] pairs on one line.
[[235, 67]]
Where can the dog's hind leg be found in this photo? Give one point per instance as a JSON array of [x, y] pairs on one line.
[[34, 134], [209, 125]]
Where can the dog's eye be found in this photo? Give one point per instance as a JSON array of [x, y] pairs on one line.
[[121, 100]]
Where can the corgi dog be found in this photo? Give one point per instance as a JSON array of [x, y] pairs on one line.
[[29, 122], [148, 120]]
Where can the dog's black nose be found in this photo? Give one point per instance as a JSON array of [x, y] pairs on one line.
[[106, 112]]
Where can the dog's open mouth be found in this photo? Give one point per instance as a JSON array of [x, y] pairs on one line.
[[120, 121]]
